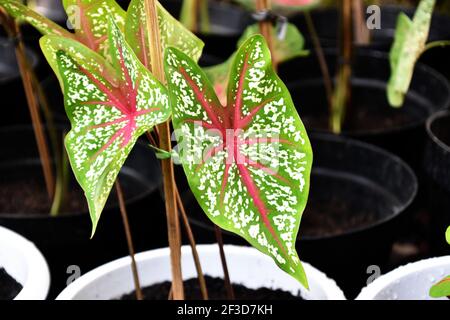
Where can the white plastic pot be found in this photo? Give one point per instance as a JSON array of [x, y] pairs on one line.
[[246, 265], [410, 282], [25, 263]]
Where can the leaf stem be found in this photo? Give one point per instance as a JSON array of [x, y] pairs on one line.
[[126, 225], [328, 83], [226, 275], [198, 266], [434, 44], [13, 31], [265, 27], [156, 61]]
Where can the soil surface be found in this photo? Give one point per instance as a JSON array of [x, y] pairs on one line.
[[9, 288], [216, 291], [31, 197], [333, 217]]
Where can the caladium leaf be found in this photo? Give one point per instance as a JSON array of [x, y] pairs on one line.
[[107, 118], [409, 43], [291, 46], [248, 163], [447, 235], [441, 289], [41, 23], [172, 33], [89, 18]]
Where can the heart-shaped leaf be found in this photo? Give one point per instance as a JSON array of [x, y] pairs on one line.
[[441, 289], [106, 117], [291, 46], [409, 43], [172, 33], [248, 163]]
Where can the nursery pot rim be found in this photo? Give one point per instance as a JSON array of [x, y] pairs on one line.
[[372, 148], [438, 115], [333, 292], [68, 215], [37, 284], [384, 56], [378, 285]]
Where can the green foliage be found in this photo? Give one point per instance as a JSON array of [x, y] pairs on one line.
[[247, 162], [441, 289], [409, 44], [283, 5], [291, 46], [109, 105]]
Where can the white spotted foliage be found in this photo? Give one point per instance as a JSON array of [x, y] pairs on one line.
[[172, 32], [247, 162], [107, 113]]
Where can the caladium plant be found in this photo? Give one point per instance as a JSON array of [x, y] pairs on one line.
[[290, 46], [409, 43], [247, 162], [89, 21], [109, 105], [442, 288]]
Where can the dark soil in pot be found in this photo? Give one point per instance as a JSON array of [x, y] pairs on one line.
[[216, 291], [381, 39], [437, 167], [358, 193], [9, 287], [11, 88], [369, 116], [65, 240]]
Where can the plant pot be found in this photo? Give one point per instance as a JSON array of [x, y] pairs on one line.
[[228, 22], [24, 263], [11, 88], [369, 117], [436, 165], [363, 184], [410, 282], [381, 39], [247, 266], [65, 239]]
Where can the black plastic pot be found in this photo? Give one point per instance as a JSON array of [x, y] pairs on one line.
[[358, 193], [326, 23], [228, 22], [369, 117], [437, 167], [11, 89], [65, 239]]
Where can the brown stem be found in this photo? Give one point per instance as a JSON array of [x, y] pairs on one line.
[[166, 165], [226, 275], [13, 31], [362, 33], [265, 27], [328, 83], [198, 266], [126, 225]]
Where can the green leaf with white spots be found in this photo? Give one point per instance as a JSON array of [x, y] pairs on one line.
[[89, 18], [447, 235], [441, 289], [41, 23], [409, 43], [248, 162], [107, 118], [291, 46], [172, 33]]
